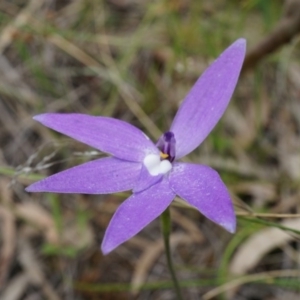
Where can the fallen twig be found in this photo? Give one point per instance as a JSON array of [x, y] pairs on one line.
[[283, 33]]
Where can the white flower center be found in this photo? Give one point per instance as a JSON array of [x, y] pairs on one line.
[[155, 166]]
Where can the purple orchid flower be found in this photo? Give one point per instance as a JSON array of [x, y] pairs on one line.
[[152, 171]]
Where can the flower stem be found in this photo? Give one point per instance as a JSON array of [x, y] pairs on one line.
[[166, 230]]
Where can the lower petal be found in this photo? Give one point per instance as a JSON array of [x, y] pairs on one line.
[[202, 187], [101, 176], [135, 213], [145, 180]]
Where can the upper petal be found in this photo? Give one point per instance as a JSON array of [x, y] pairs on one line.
[[202, 187], [109, 135], [135, 213], [101, 176], [206, 102]]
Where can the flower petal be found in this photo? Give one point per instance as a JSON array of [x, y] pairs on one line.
[[146, 180], [101, 176], [206, 102], [109, 135], [135, 213], [202, 187]]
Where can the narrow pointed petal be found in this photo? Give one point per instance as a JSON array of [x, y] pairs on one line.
[[202, 187], [109, 135], [135, 213], [206, 102], [101, 176]]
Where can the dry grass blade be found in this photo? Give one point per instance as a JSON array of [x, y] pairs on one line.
[[259, 244], [249, 278], [187, 224], [7, 34], [283, 33], [128, 93], [34, 270], [243, 168], [40, 218], [16, 287], [267, 215], [13, 85], [8, 231], [150, 256], [154, 250]]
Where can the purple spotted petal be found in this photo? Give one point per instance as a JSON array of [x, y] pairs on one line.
[[203, 188], [135, 213], [109, 135], [101, 176], [206, 102]]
